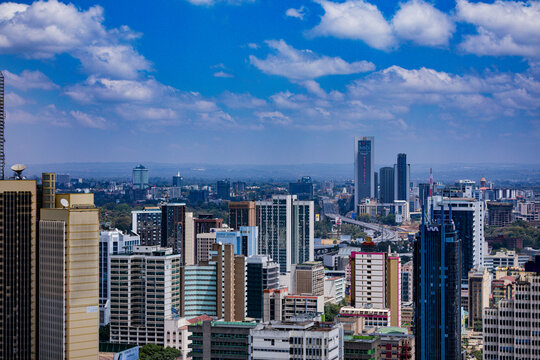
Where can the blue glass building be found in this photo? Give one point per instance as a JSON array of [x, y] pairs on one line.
[[245, 240]]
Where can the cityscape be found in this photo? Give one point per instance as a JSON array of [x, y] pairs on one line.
[[377, 197]]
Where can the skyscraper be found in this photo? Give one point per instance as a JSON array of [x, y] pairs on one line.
[[303, 188], [140, 177], [173, 232], [437, 274], [18, 249], [241, 213], [262, 274], [177, 180], [364, 168], [401, 176], [147, 223], [224, 189], [68, 279], [387, 185]]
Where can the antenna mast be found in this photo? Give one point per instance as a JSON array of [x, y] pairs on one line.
[[2, 124]]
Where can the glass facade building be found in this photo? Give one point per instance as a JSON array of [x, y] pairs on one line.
[[140, 177], [387, 185], [364, 168]]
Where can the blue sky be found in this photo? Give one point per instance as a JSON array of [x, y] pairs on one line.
[[271, 82]]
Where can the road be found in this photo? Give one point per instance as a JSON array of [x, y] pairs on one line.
[[386, 233]]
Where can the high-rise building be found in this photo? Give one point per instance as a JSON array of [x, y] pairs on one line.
[[387, 185], [310, 278], [245, 240], [198, 196], [224, 189], [479, 293], [407, 282], [241, 213], [173, 232], [423, 195], [499, 213], [140, 177], [205, 223], [145, 291], [402, 178], [286, 230], [262, 274], [203, 246], [303, 188], [199, 290], [111, 242], [238, 187], [364, 168], [68, 279], [18, 287], [437, 325], [147, 224], [48, 191], [376, 184], [177, 180]]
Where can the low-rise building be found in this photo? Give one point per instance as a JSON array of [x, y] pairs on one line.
[[362, 347], [373, 317], [220, 340]]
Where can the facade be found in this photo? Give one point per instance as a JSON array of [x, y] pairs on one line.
[[173, 231], [199, 290], [310, 278], [18, 269], [468, 215], [262, 274], [479, 293], [402, 178], [221, 340], [387, 182], [500, 259], [286, 230], [334, 289], [437, 321], [203, 246], [361, 347], [48, 191], [145, 291], [177, 180], [140, 177], [395, 343], [297, 340], [294, 306], [245, 240], [407, 282], [273, 304], [372, 317], [147, 223], [303, 188], [111, 242], [177, 333], [499, 213], [68, 279], [364, 168], [241, 213], [224, 189]]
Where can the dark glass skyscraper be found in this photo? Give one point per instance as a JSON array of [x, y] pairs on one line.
[[387, 185], [262, 274], [402, 178], [364, 168], [224, 189], [437, 269], [173, 221]]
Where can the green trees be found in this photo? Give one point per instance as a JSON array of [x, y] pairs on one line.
[[156, 352], [518, 229], [332, 310]]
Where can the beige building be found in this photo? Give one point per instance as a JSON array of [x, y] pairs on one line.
[[241, 213], [68, 281], [393, 289], [310, 278], [479, 293]]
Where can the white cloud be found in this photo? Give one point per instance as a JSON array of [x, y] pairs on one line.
[[241, 101], [357, 20], [423, 24], [504, 27], [90, 121], [304, 64], [273, 117], [223, 74], [14, 100], [213, 2], [45, 29], [27, 80], [296, 13], [252, 46]]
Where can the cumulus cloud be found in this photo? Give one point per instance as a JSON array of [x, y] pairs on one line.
[[27, 80], [503, 27], [304, 64], [45, 29], [296, 13], [90, 121], [421, 23], [273, 117], [241, 101], [223, 74]]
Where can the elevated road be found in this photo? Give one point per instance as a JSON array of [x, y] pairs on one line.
[[386, 234]]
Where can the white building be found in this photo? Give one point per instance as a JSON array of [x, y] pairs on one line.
[[177, 333], [111, 242], [500, 258], [297, 340], [334, 289]]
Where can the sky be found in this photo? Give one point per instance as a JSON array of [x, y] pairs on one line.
[[271, 81]]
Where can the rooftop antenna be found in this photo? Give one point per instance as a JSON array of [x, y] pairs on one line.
[[2, 123]]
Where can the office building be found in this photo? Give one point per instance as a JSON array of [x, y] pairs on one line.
[[203, 246], [295, 306], [140, 177], [297, 340], [499, 213], [147, 224], [177, 180], [310, 278], [407, 282], [199, 290], [221, 340], [437, 321], [145, 291], [241, 213], [479, 293], [468, 216], [376, 185], [48, 191], [500, 259], [511, 329], [273, 304], [262, 274], [387, 185], [224, 189], [245, 240], [111, 242], [364, 168], [198, 196], [18, 244], [238, 187], [334, 289], [361, 347], [173, 231], [68, 279], [423, 195], [303, 188], [401, 178], [286, 230]]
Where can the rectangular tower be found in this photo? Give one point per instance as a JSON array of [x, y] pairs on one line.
[[173, 232], [147, 223], [241, 213], [364, 168], [387, 185], [402, 178]]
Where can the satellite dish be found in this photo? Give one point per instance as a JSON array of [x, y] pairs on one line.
[[18, 169], [64, 202]]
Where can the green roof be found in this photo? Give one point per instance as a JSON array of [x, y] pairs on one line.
[[392, 330]]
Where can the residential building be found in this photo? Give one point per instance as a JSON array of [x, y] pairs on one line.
[[68, 279], [241, 213], [303, 188], [479, 293], [364, 168], [402, 178], [499, 213], [334, 289], [437, 321], [203, 246], [372, 317], [147, 223], [395, 343], [224, 189], [145, 291], [140, 177], [310, 278], [387, 181], [18, 269], [245, 240], [111, 242], [286, 230], [262, 274]]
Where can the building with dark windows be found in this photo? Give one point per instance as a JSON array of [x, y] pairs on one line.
[[401, 178], [241, 213], [224, 189], [364, 168], [177, 180], [499, 213], [198, 196], [303, 188], [238, 187], [140, 177], [262, 274], [437, 277], [361, 347], [147, 224], [376, 184], [423, 195], [387, 185], [173, 232]]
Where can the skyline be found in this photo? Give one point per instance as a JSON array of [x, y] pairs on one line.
[[250, 82]]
